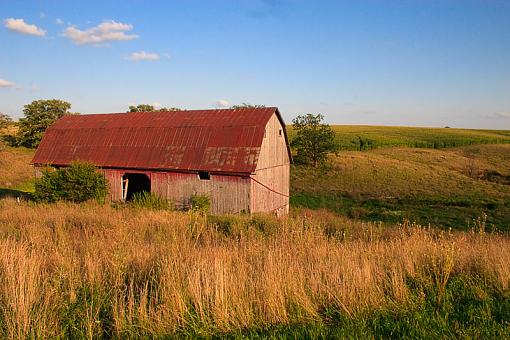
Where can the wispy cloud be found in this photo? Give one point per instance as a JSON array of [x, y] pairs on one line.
[[59, 21], [20, 26], [142, 55], [503, 114], [7, 84], [498, 115], [222, 103], [99, 35], [42, 15]]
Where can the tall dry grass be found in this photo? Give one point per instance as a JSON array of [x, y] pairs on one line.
[[88, 270]]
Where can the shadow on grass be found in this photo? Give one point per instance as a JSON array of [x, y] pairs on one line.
[[9, 140], [442, 212], [12, 193]]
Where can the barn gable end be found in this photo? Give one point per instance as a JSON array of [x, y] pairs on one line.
[[270, 182]]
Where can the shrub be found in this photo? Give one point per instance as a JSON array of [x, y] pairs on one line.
[[151, 201], [79, 182], [200, 203]]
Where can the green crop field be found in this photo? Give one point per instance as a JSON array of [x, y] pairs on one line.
[[360, 137]]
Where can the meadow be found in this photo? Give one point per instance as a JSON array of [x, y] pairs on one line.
[[389, 242], [90, 271], [447, 188]]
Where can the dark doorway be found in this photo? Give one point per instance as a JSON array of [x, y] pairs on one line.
[[133, 183]]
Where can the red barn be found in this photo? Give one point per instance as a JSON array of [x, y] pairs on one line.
[[240, 158]]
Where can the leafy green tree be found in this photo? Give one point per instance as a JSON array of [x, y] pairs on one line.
[[39, 115], [77, 183], [314, 139], [247, 106], [150, 108], [5, 120], [141, 108]]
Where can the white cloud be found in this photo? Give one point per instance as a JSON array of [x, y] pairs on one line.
[[222, 103], [20, 26], [142, 55], [6, 83], [105, 32], [498, 115], [42, 15], [503, 114], [59, 21]]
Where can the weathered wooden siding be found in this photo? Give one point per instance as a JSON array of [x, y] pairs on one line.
[[270, 183], [229, 194], [114, 179], [270, 190], [273, 151]]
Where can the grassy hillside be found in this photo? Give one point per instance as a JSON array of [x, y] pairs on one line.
[[356, 137], [449, 188], [16, 173], [89, 271]]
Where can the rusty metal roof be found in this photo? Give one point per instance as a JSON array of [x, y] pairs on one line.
[[227, 140]]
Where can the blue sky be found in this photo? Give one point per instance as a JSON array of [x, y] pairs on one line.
[[425, 63]]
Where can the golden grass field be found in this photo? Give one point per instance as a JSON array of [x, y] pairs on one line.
[[91, 271]]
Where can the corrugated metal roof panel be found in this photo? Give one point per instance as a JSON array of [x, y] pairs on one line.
[[210, 140]]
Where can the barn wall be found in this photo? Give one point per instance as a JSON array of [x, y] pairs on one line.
[[114, 180], [229, 194], [273, 151], [270, 190], [270, 183]]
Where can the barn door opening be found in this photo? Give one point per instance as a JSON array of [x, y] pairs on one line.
[[133, 183]]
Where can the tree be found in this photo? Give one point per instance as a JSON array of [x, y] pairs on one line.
[[314, 140], [77, 183], [150, 108], [39, 115], [247, 106], [141, 108], [5, 120]]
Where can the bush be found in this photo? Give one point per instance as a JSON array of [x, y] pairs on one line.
[[151, 201], [79, 182], [200, 203]]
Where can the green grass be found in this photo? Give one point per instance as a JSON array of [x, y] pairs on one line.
[[360, 137], [471, 309], [446, 188]]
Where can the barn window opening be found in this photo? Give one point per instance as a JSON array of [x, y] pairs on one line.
[[205, 175], [280, 132], [133, 183]]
